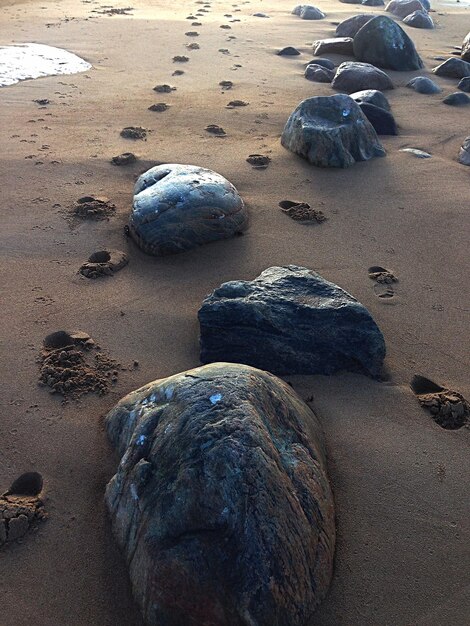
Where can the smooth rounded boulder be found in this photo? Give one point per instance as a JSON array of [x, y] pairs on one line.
[[419, 19], [457, 99], [453, 68], [331, 131], [221, 502], [308, 12], [318, 73], [464, 84], [353, 76], [372, 96], [423, 84], [290, 320], [178, 207], [383, 42], [402, 8], [350, 26]]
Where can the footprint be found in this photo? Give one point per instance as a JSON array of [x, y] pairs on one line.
[[301, 211], [258, 161], [159, 107], [104, 263], [384, 280], [236, 103], [226, 84], [216, 130], [21, 507], [448, 408], [192, 33], [126, 158], [180, 59]]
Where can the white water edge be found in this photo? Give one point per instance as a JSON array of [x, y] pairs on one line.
[[33, 60]]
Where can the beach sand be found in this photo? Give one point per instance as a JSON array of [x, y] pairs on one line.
[[401, 482]]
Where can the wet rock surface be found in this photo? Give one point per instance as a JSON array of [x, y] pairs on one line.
[[221, 497], [352, 76], [383, 42], [464, 84], [457, 99], [331, 131], [290, 320], [179, 207]]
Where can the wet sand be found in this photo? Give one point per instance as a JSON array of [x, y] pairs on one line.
[[401, 482]]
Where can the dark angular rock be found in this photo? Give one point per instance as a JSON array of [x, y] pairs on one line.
[[307, 12], [465, 53], [352, 76], [221, 502], [457, 99], [349, 27], [464, 155], [178, 207], [288, 52], [453, 68], [323, 62], [382, 120], [419, 19], [290, 320], [372, 96], [425, 85], [402, 8], [335, 45], [464, 84], [384, 43], [331, 131], [319, 74]]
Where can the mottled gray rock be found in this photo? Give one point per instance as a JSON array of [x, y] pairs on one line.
[[464, 84], [457, 99], [372, 96], [383, 42], [318, 73], [464, 154], [349, 27], [465, 54], [335, 45], [221, 501], [423, 84], [323, 62], [453, 68], [290, 320], [419, 19], [331, 131], [381, 119], [308, 12], [178, 207], [352, 76], [402, 8]]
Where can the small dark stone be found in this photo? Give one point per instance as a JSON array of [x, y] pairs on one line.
[[289, 51], [464, 84], [319, 74], [402, 8], [423, 84], [373, 3], [323, 62], [307, 12], [457, 99], [419, 19], [126, 158]]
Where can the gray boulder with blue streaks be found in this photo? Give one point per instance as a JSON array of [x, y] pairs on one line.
[[179, 207]]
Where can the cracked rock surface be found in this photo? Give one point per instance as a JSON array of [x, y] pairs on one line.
[[221, 501]]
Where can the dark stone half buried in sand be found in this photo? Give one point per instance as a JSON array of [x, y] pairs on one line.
[[457, 99], [290, 320], [288, 52], [308, 12], [349, 27], [373, 3], [318, 74], [419, 19], [134, 132], [423, 84], [352, 76], [402, 8], [384, 43], [221, 501], [126, 158], [464, 84], [453, 68], [464, 154], [331, 131], [335, 45], [164, 88], [329, 65], [372, 96], [382, 120], [179, 207]]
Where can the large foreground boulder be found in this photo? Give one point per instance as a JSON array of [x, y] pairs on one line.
[[465, 54], [353, 76], [221, 501], [331, 131], [290, 320], [384, 43], [178, 207]]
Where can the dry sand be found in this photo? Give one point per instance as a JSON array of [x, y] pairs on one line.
[[401, 482]]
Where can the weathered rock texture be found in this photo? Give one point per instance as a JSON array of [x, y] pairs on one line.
[[352, 76], [331, 131], [384, 43], [290, 320], [178, 207], [221, 501]]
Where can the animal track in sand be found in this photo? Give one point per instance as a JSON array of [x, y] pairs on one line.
[[448, 408], [384, 280]]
